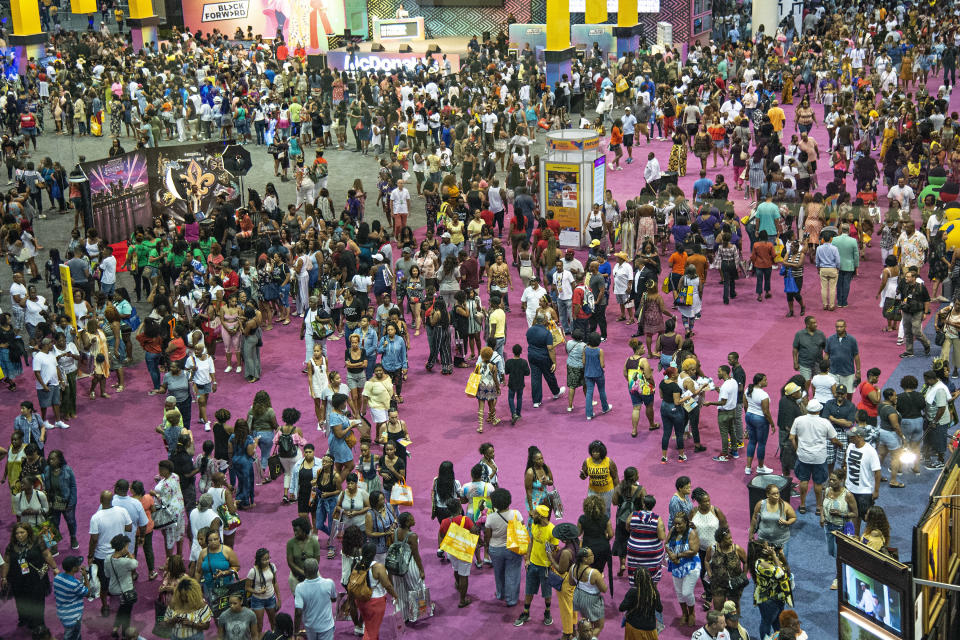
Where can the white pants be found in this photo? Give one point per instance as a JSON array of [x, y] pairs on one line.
[[684, 588], [288, 464]]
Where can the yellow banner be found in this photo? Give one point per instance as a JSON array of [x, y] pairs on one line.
[[563, 193], [627, 13], [26, 17], [141, 8], [558, 25], [596, 12], [67, 292], [83, 6]]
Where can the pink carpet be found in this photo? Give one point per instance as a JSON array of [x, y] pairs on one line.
[[114, 438]]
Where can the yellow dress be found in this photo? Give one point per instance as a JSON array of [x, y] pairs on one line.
[[888, 135], [99, 347]]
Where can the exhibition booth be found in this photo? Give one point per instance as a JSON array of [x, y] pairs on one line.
[[574, 177], [881, 598]]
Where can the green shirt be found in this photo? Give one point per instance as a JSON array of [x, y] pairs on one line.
[[849, 252], [205, 247], [300, 550]]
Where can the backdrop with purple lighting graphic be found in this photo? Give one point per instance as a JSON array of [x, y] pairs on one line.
[[119, 194]]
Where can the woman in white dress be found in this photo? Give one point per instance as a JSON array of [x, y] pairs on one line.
[[318, 382]]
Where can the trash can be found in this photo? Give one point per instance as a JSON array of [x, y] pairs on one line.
[[757, 489]]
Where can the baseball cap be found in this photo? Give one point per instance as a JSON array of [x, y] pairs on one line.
[[446, 235], [814, 406], [862, 432], [378, 256], [594, 243], [841, 388]]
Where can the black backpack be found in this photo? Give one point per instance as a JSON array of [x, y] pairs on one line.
[[398, 558], [625, 512], [285, 446]]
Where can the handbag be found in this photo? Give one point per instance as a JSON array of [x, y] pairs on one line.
[[555, 580], [459, 542], [350, 439], [738, 582], [163, 516], [401, 494], [48, 534], [518, 538], [231, 521], [940, 338], [473, 382], [275, 466]]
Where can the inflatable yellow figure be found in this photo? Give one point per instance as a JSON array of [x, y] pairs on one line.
[[951, 227]]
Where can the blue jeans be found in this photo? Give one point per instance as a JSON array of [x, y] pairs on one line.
[[153, 366], [828, 530], [757, 431], [599, 384], [844, 279], [265, 445], [506, 574], [673, 421], [70, 515], [515, 401], [185, 407], [769, 616], [563, 308], [324, 514], [763, 279], [72, 633]]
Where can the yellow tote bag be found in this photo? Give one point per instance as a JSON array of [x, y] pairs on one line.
[[473, 382], [518, 539], [459, 542]]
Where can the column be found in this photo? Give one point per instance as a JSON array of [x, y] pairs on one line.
[[766, 14], [86, 8], [628, 29], [143, 23], [28, 38], [596, 12], [558, 53]]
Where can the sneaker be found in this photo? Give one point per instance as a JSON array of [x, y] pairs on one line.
[[609, 409], [747, 471], [62, 425], [589, 417], [47, 425], [536, 405], [559, 393], [227, 369], [629, 160], [721, 458], [740, 445], [569, 409], [358, 630], [522, 620], [934, 464], [547, 620], [663, 460], [734, 454], [764, 469], [514, 418], [74, 543], [206, 426], [682, 457]]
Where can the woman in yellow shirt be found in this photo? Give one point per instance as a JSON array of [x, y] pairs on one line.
[[601, 471]]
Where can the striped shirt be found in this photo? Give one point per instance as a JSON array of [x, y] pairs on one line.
[[69, 593]]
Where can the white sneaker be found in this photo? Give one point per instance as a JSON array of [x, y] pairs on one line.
[[47, 425], [747, 471], [228, 369], [560, 393], [358, 630], [764, 469], [62, 425], [206, 426]]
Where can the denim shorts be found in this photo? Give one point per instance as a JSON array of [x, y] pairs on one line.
[[537, 579], [204, 389], [637, 399], [804, 470], [889, 439], [257, 604]]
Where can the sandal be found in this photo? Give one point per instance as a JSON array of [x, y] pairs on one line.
[[817, 512], [897, 485], [331, 554], [803, 508]]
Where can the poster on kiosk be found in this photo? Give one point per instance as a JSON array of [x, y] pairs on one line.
[[573, 171]]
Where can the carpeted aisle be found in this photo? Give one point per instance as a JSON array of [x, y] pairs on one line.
[[114, 439]]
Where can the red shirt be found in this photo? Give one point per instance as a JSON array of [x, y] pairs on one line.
[[554, 225], [470, 272], [27, 121], [487, 217], [865, 403], [231, 282], [578, 294], [463, 521]]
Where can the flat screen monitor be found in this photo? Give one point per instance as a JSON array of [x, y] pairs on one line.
[[872, 598], [853, 627]]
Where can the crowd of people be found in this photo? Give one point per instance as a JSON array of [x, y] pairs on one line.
[[366, 282]]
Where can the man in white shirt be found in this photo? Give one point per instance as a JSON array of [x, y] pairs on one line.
[[629, 122], [49, 383], [400, 199], [863, 472], [563, 281], [622, 276], [18, 292], [902, 193], [108, 272], [530, 300], [107, 522], [809, 435], [134, 508], [651, 172], [727, 413], [313, 603], [570, 263]]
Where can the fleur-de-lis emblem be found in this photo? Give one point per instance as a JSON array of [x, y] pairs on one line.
[[198, 181]]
